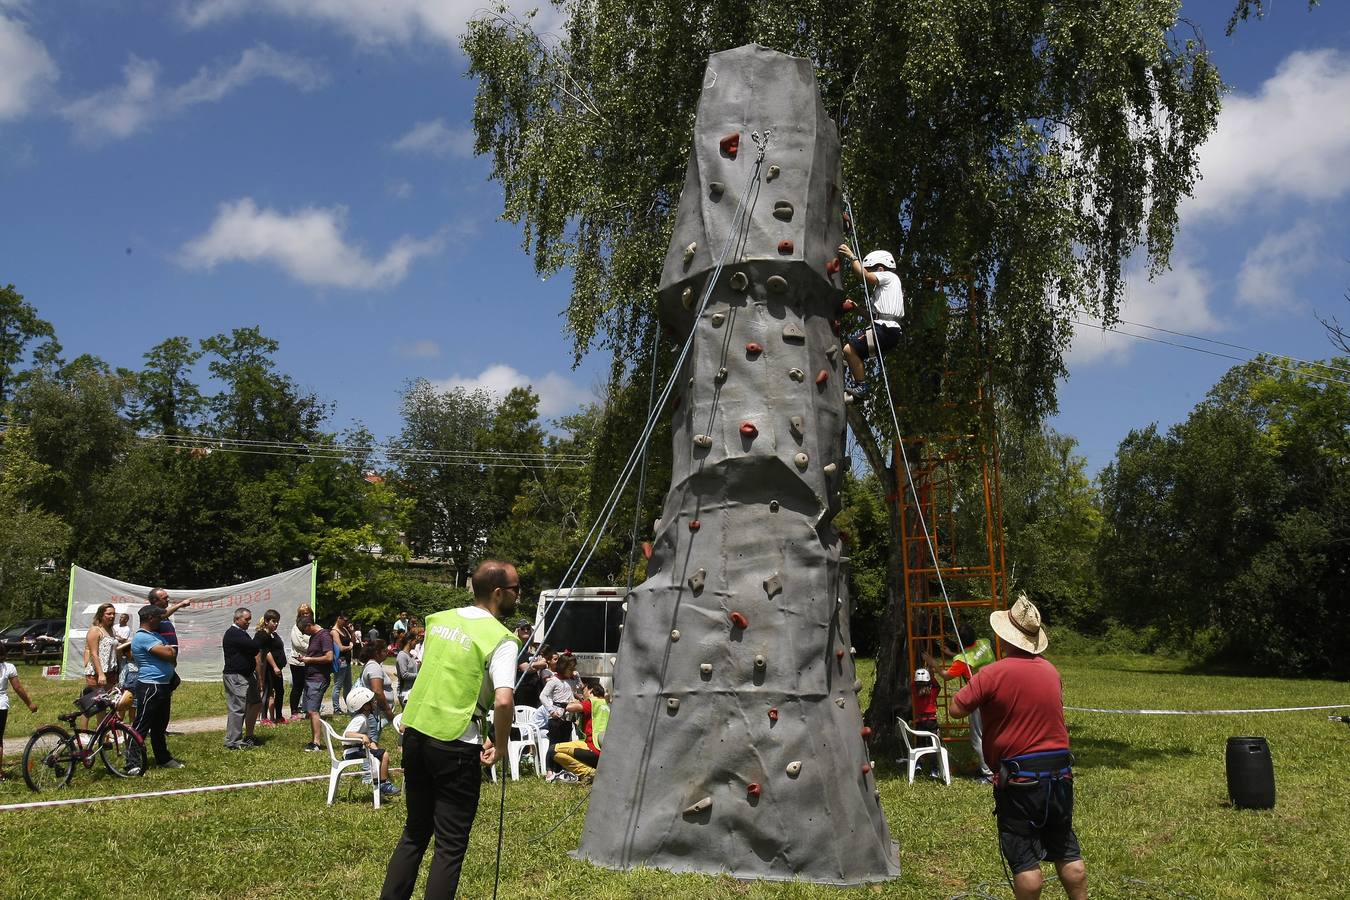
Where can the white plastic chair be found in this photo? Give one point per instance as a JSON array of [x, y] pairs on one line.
[[919, 744], [514, 749], [529, 734], [340, 764]]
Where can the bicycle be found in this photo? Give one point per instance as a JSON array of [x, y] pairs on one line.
[[50, 757]]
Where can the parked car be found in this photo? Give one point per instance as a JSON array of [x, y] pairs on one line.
[[35, 639]]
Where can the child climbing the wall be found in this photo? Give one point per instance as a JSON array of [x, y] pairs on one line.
[[882, 332], [924, 717]]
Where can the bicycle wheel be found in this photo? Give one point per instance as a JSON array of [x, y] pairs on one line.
[[49, 758], [116, 741]]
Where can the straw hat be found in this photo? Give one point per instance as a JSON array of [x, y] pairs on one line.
[[1021, 626]]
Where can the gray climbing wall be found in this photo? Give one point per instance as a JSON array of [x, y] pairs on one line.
[[736, 742]]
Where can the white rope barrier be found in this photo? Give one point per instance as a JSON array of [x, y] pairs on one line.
[[1203, 712], [77, 801]]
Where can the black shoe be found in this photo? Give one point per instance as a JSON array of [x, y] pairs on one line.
[[173, 764]]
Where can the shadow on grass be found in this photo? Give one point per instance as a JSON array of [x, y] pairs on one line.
[[1108, 752]]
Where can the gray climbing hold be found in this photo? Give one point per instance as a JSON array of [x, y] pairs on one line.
[[794, 768], [740, 281], [793, 332], [675, 636], [830, 469], [697, 579], [796, 374], [703, 441], [721, 375], [802, 461], [773, 506], [613, 660], [852, 651], [705, 668], [718, 319], [687, 298], [783, 210], [774, 172], [701, 806], [689, 252], [760, 661], [624, 606], [776, 284], [839, 702], [716, 189], [831, 352], [773, 584], [857, 685], [672, 703], [797, 423]]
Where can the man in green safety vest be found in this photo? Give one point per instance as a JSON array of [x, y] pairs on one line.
[[977, 654], [468, 662]]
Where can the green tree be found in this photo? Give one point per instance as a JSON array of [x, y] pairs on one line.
[[20, 325], [31, 540], [1016, 151], [256, 402], [169, 400]]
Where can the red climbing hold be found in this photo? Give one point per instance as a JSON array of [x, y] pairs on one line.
[[647, 549], [739, 620], [773, 714], [753, 348], [752, 789], [832, 266], [866, 733], [848, 305], [839, 654], [834, 326], [695, 524], [785, 246], [867, 767], [844, 536], [848, 223], [730, 144], [749, 430], [823, 377]]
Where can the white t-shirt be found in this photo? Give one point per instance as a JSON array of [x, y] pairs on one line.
[[122, 632], [501, 671], [7, 671], [888, 300]]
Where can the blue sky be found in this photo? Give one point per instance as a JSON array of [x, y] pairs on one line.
[[192, 166]]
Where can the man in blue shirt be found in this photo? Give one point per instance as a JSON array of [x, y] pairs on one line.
[[156, 658]]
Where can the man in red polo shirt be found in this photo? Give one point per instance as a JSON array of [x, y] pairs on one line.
[[1026, 742]]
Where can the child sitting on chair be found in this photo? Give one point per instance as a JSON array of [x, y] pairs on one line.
[[924, 717], [361, 699]]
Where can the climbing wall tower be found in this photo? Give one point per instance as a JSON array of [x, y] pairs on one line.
[[736, 742]]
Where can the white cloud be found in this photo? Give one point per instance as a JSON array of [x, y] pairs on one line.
[[436, 138], [26, 69], [119, 112], [1272, 266], [308, 245], [1178, 300], [1291, 139], [557, 394], [385, 22], [423, 349]]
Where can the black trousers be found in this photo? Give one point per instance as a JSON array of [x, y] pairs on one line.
[[441, 782], [152, 721], [297, 688], [274, 691]]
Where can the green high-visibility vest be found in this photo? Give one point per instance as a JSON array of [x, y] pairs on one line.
[[449, 685], [977, 658], [599, 720]]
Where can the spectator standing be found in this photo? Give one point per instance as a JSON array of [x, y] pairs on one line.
[[561, 689], [122, 630], [318, 663], [403, 623], [343, 642], [407, 664], [977, 654], [470, 662], [240, 676], [299, 647], [155, 660], [1027, 741], [100, 649], [160, 597], [534, 672], [581, 757], [271, 665], [9, 676]]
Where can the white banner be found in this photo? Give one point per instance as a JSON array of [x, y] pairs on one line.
[[200, 625]]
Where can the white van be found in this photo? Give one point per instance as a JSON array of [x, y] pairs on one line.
[[587, 621]]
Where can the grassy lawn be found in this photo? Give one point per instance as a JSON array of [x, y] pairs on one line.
[[1152, 813]]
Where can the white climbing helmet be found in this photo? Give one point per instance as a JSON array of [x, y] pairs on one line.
[[879, 258], [358, 697], [923, 676]]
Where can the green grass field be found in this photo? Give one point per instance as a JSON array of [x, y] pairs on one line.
[[1152, 813]]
